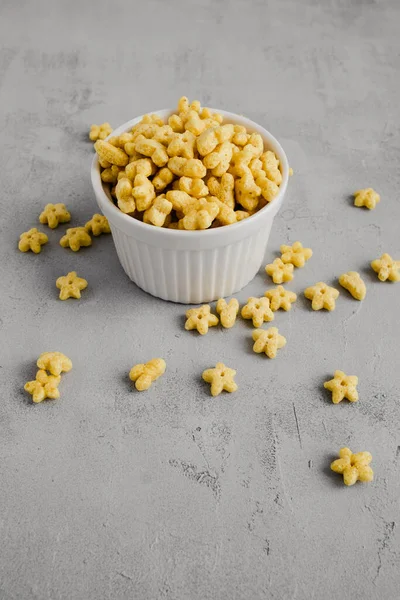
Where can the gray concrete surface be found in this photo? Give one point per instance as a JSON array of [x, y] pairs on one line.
[[112, 494]]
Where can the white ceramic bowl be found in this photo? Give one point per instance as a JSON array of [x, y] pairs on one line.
[[192, 266]]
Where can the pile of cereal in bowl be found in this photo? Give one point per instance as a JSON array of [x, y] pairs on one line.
[[194, 172]]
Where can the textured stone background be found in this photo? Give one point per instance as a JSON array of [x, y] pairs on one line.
[[108, 494]]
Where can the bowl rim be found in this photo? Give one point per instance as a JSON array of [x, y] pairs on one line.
[[127, 221]]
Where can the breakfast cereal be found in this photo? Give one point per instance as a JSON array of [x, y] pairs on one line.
[[322, 296], [280, 298], [54, 214], [200, 319], [227, 312], [352, 282], [353, 467], [342, 386], [387, 268], [143, 375], [221, 378], [70, 286], [258, 310], [32, 240], [268, 341]]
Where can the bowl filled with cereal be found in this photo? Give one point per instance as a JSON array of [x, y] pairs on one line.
[[190, 196]]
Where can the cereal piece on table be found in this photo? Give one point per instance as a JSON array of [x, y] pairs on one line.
[[152, 149], [98, 224], [143, 375], [100, 132], [54, 362], [70, 286], [342, 386], [54, 214], [367, 197], [125, 200], [268, 341], [219, 160], [353, 467], [194, 187], [75, 238], [223, 189], [258, 310], [227, 312], [158, 212], [110, 175], [200, 319], [141, 166], [247, 191], [44, 386], [270, 164], [280, 298], [143, 192], [221, 378], [322, 296], [32, 240], [296, 254], [279, 271], [268, 188], [182, 145], [387, 268], [111, 154], [352, 282], [163, 178], [200, 215]]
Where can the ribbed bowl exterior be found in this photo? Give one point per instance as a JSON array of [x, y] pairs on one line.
[[191, 276]]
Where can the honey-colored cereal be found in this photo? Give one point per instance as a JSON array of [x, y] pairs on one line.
[[352, 282], [258, 310], [353, 467], [54, 362], [221, 378], [75, 238], [322, 296], [268, 341], [223, 189], [111, 154], [296, 254], [155, 150], [158, 212], [70, 285], [182, 145], [44, 386], [200, 319], [144, 374], [194, 187], [181, 201], [100, 132], [279, 271], [110, 175], [163, 178], [367, 197], [227, 312], [342, 386], [123, 192], [270, 164], [219, 160], [97, 225], [387, 268], [143, 192], [32, 240], [54, 214], [268, 188], [200, 215], [140, 166], [247, 191], [280, 298]]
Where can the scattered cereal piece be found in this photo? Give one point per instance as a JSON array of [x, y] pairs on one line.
[[258, 310], [144, 374], [352, 282], [44, 386], [353, 467], [97, 225], [221, 378], [111, 154], [227, 312], [296, 254], [322, 296], [342, 386], [200, 319], [32, 240], [268, 341], [280, 298], [76, 237], [100, 132], [279, 271], [70, 286], [54, 362], [387, 268], [367, 197], [54, 214]]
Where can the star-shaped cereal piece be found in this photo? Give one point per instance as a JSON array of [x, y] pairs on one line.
[[32, 240], [54, 362], [296, 254], [70, 286], [54, 214], [387, 268], [279, 271], [322, 296], [44, 386], [144, 374], [268, 341], [227, 312], [200, 319], [342, 386], [98, 224], [353, 467], [75, 238], [258, 310], [221, 378], [100, 132], [367, 197], [352, 282], [280, 298]]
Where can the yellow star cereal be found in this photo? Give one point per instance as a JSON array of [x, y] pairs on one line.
[[353, 467], [280, 298], [54, 362], [342, 386], [76, 237], [32, 240], [44, 386], [387, 268], [268, 341], [227, 312], [200, 319], [279, 271], [111, 154], [221, 378], [158, 212], [367, 197], [54, 214], [100, 132], [352, 282], [70, 286], [296, 254], [322, 296], [97, 225], [144, 374], [258, 310]]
